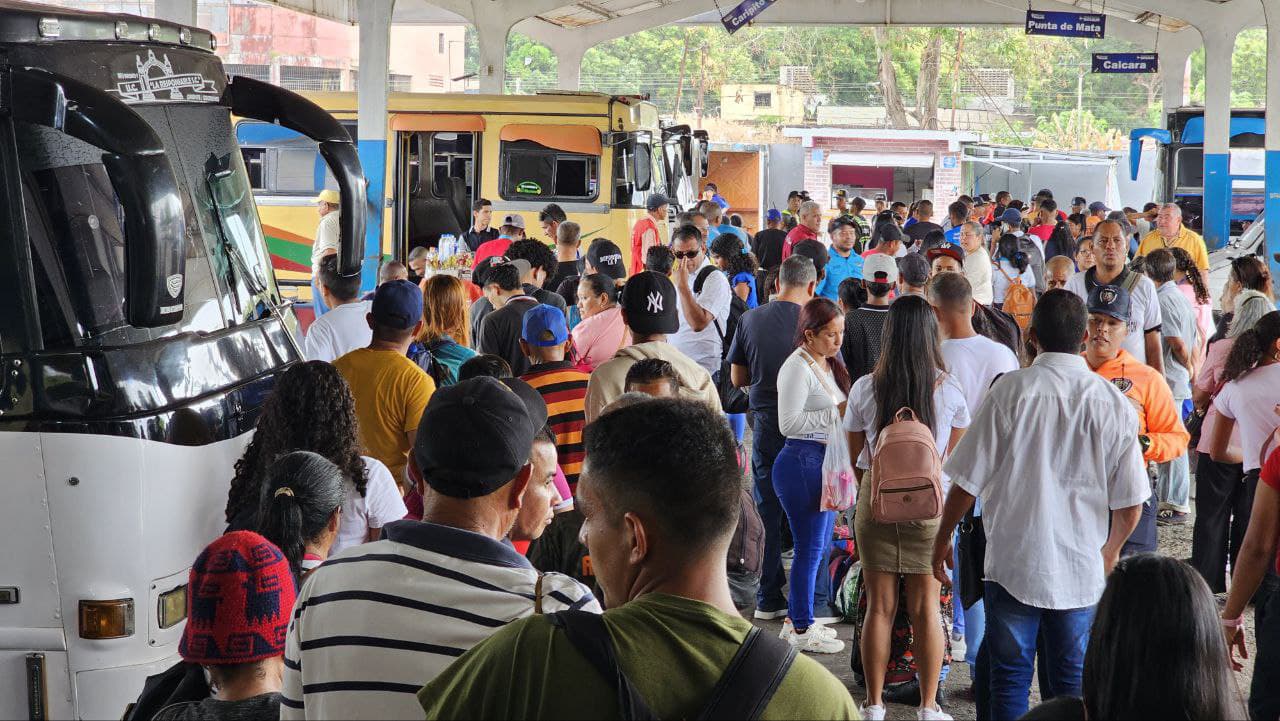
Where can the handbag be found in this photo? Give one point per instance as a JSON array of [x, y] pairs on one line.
[[839, 485]]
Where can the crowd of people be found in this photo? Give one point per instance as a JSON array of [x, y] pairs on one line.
[[529, 494]]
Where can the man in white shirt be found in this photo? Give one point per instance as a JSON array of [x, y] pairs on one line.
[[1053, 454], [345, 327], [700, 309], [326, 243], [977, 262], [1111, 249]]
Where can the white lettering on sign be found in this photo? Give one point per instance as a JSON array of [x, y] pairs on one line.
[[155, 77]]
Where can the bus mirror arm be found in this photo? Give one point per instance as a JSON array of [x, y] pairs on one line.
[[140, 173], [256, 100]]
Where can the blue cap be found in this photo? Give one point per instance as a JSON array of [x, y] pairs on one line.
[[544, 326], [397, 304], [1110, 300], [773, 215], [1011, 216]]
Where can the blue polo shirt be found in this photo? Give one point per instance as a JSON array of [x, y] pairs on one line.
[[953, 235], [714, 232], [839, 268]]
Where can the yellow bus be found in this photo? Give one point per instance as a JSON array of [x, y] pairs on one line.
[[597, 156]]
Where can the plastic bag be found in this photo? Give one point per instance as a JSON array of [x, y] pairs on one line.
[[839, 486]]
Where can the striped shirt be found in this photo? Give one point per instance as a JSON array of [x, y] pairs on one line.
[[376, 622], [564, 388]]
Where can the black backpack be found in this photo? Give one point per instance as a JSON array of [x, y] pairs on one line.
[[732, 398], [737, 306], [743, 691]]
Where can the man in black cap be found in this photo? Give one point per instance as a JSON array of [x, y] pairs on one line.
[[649, 309], [789, 216], [913, 273], [647, 231], [373, 624], [1078, 204], [499, 332]]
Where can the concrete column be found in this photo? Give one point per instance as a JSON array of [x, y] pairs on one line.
[[1173, 81], [1271, 9], [491, 35], [374, 20], [1219, 44], [569, 65], [182, 12]]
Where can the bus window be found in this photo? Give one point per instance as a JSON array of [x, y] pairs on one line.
[[532, 171], [255, 164], [452, 156], [281, 161], [1189, 169]]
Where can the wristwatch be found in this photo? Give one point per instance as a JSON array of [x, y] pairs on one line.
[[1145, 442]]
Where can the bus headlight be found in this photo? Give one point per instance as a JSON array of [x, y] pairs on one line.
[[172, 607], [106, 619]]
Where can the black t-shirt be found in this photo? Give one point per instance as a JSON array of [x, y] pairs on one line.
[[482, 307], [863, 328], [762, 343], [474, 240], [564, 269], [500, 333], [258, 707], [767, 246], [919, 230]]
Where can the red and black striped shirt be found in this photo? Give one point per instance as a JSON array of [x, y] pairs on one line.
[[564, 388]]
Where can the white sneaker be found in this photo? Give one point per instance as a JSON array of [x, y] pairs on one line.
[[813, 640], [872, 713], [958, 647], [931, 714], [789, 629]]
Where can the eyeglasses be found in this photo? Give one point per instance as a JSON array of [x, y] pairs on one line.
[[682, 254]]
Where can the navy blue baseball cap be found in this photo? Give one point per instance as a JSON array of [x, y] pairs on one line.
[[1110, 300], [1011, 216], [544, 326], [397, 304]]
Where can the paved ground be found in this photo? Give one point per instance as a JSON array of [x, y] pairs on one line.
[[1174, 541]]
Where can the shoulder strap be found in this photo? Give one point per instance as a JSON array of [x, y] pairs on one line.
[[588, 634], [1131, 281], [1001, 269], [701, 277], [753, 676]]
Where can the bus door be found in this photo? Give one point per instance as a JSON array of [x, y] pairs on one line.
[[437, 178]]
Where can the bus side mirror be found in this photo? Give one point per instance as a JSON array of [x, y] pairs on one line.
[[143, 180], [256, 100]]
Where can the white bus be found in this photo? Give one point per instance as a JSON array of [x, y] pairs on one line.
[[140, 331]]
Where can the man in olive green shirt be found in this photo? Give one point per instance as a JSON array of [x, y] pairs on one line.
[[660, 509]]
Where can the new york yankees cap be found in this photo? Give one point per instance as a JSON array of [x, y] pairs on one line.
[[649, 304]]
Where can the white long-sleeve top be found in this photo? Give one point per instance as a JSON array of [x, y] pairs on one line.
[[808, 406]]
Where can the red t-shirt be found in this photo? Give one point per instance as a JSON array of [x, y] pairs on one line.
[[1270, 475], [1042, 231], [797, 234], [638, 248], [490, 248]]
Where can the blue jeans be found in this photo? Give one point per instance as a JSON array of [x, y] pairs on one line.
[[766, 443], [1173, 481], [317, 302], [797, 479], [1143, 538], [1012, 628]]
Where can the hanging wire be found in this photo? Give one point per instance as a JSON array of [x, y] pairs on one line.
[[1159, 22]]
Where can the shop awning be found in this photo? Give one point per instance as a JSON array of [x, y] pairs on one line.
[[582, 139], [429, 122], [882, 160]]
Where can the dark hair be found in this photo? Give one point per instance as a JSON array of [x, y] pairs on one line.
[[815, 314], [1252, 346], [652, 370], [480, 205], [302, 492], [897, 204], [1186, 265], [659, 259], [1160, 265], [343, 287], [815, 251], [1250, 272], [958, 209], [735, 220], [1007, 247], [851, 293], [1138, 264], [1148, 207], [1049, 204], [1059, 321], [553, 213], [536, 252], [951, 292], [485, 364], [1080, 220], [687, 484], [686, 218], [505, 275], [1156, 649], [910, 360], [932, 239], [601, 284], [1002, 194], [859, 201], [878, 290], [921, 205], [685, 232], [729, 247], [314, 391]]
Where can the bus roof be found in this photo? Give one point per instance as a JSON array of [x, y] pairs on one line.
[[23, 22], [547, 103]]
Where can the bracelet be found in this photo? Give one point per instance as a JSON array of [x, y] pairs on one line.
[[1237, 622]]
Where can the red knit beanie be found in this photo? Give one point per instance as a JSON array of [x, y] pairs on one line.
[[238, 602]]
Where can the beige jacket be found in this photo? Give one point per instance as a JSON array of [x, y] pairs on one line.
[[608, 379]]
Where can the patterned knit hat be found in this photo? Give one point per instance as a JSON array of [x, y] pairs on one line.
[[239, 601]]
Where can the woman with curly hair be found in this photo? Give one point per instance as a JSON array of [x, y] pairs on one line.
[[443, 345], [1190, 280], [311, 409], [729, 255]]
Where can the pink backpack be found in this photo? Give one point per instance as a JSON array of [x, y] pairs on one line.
[[906, 472]]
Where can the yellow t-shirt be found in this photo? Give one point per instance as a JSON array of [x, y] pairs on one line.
[[1187, 239], [391, 392]]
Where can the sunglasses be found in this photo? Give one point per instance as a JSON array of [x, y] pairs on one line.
[[682, 254]]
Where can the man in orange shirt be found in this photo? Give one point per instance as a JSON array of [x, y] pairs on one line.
[[1160, 429], [646, 233]]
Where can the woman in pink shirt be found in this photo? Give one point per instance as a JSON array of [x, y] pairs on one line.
[[1191, 282], [601, 333], [1223, 498]]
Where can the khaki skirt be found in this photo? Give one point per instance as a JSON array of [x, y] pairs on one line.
[[892, 547]]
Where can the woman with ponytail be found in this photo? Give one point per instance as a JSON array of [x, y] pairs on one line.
[[1011, 264], [302, 508], [1190, 281]]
